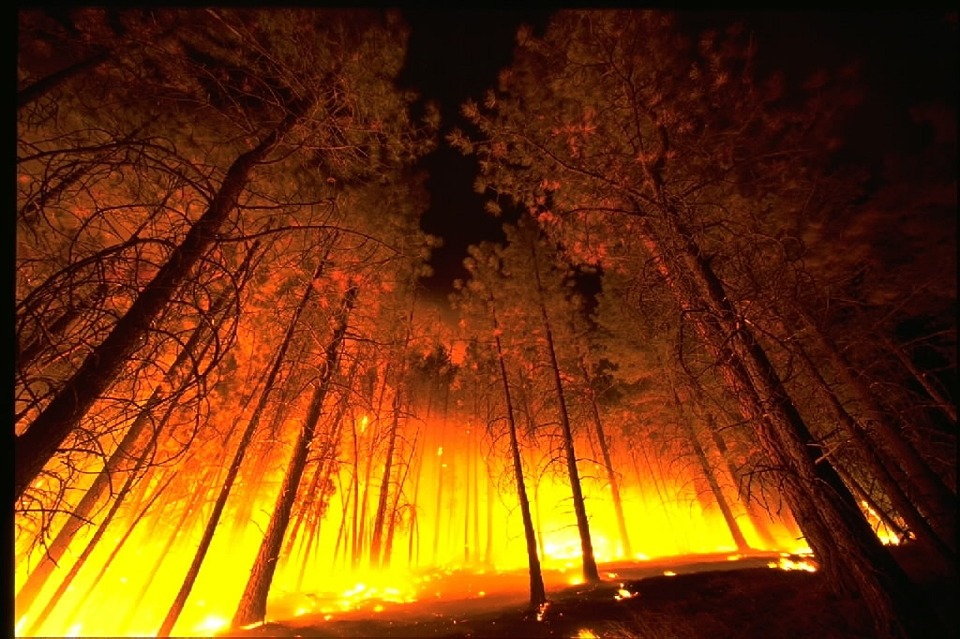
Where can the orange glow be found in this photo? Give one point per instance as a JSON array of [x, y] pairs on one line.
[[469, 481]]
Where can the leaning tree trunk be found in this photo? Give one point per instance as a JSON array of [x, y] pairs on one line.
[[195, 498], [253, 603], [379, 519], [943, 403], [394, 509], [125, 450], [710, 475], [851, 555], [92, 544], [608, 464], [590, 572], [879, 467], [35, 447], [194, 570], [760, 523], [935, 499], [538, 595]]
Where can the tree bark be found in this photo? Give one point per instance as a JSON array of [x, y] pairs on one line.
[[590, 572], [61, 416], [612, 479], [538, 594], [126, 450], [253, 603], [194, 570]]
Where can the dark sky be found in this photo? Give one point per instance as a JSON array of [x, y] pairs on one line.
[[907, 58], [453, 56]]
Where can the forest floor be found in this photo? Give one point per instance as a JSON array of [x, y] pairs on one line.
[[711, 597]]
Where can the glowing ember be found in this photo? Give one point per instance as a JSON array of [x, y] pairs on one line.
[[211, 623], [586, 633], [623, 593], [669, 573], [788, 563], [542, 610]]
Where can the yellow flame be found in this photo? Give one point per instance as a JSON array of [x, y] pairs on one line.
[[542, 610], [210, 623], [787, 563], [586, 633]]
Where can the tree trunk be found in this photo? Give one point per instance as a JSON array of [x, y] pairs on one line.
[[92, 544], [851, 556], [708, 472], [941, 400], [194, 570], [758, 520], [590, 572], [538, 595], [45, 85], [34, 448], [253, 604], [936, 500], [608, 466], [126, 450], [134, 608], [879, 468], [380, 517]]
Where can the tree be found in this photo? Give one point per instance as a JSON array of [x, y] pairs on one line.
[[614, 123], [253, 603], [476, 294]]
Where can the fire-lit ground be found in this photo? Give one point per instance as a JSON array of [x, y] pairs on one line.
[[459, 517], [765, 595]]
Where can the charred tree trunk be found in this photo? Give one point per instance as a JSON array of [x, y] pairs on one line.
[[395, 508], [380, 517], [590, 572], [253, 603], [35, 447], [125, 451], [759, 521], [942, 401], [735, 532], [851, 556], [936, 500], [194, 570], [879, 468], [612, 478], [538, 595]]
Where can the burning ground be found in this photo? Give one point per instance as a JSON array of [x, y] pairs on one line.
[[768, 595]]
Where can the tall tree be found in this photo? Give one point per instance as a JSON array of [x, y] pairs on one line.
[[615, 121], [253, 603]]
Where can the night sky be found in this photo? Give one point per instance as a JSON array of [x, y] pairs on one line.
[[907, 59]]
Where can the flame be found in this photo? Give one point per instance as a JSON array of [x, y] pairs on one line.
[[586, 633], [804, 561], [542, 610], [623, 593], [211, 623], [458, 487]]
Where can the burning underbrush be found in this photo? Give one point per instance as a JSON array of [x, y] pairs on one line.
[[717, 595]]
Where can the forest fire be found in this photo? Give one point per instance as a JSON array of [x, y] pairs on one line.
[[475, 531], [235, 405]]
